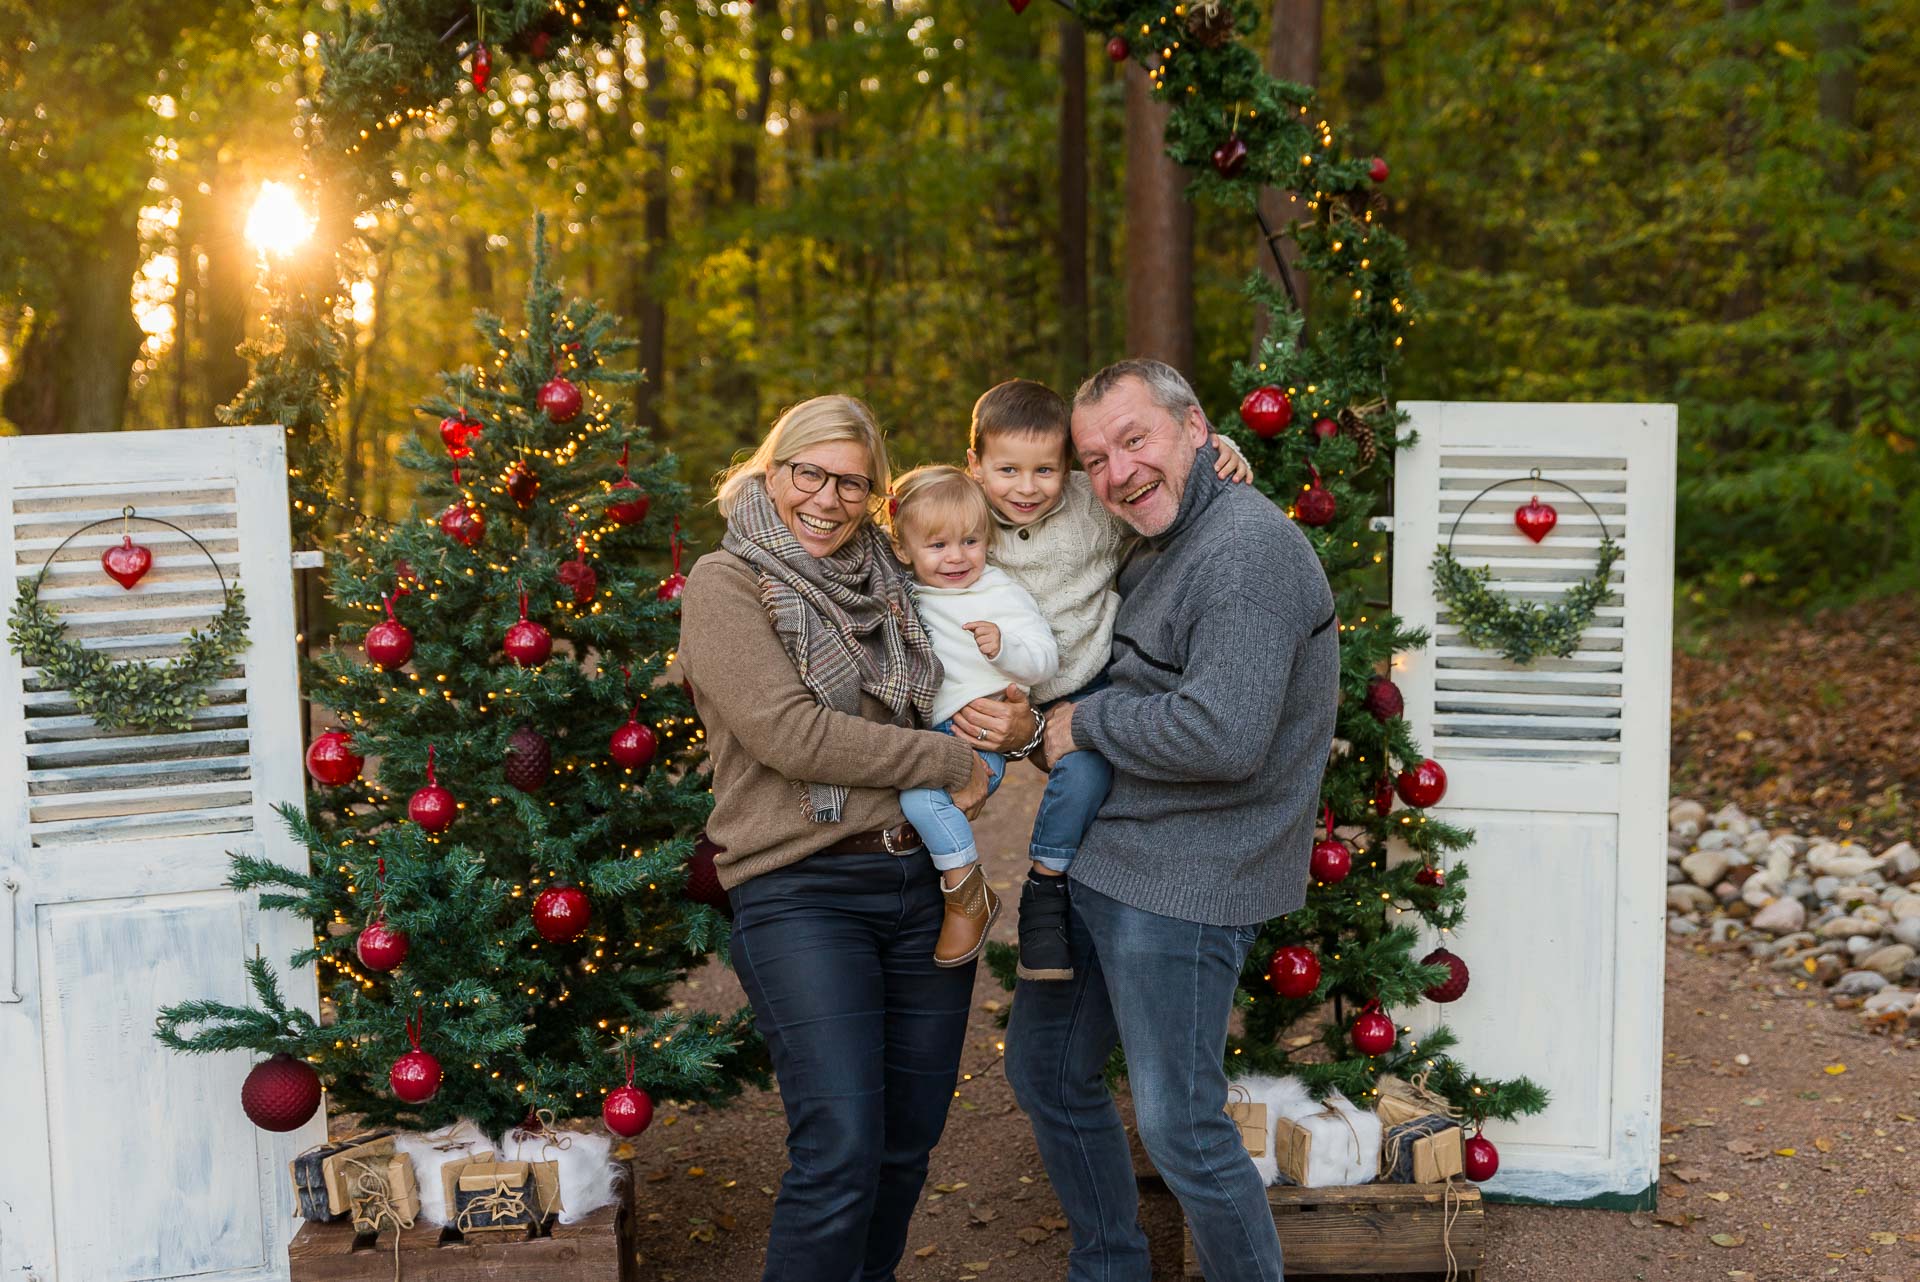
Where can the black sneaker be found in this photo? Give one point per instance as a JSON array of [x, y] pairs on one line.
[[1044, 953]]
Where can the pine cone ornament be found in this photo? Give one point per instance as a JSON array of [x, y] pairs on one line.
[[1210, 23], [529, 759], [1351, 424]]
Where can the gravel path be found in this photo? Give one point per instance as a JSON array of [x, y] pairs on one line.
[[1800, 1172]]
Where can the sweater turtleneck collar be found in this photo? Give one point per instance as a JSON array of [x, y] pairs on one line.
[[1203, 486]]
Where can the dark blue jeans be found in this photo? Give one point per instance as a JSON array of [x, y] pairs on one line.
[[1163, 989], [836, 955]]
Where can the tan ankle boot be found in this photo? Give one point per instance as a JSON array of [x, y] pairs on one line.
[[971, 908]]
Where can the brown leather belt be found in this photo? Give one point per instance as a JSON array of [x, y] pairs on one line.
[[901, 840]]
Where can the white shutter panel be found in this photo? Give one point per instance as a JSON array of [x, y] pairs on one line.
[[125, 1161], [1560, 768]]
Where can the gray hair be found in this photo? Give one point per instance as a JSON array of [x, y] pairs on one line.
[[1165, 384]]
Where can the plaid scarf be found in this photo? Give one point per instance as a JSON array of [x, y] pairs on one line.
[[845, 620]]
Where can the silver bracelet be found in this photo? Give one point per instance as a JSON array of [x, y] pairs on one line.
[[1039, 730]]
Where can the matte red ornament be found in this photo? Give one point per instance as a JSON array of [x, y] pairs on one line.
[[703, 879], [1454, 987], [561, 913], [1383, 797], [1266, 411], [579, 578], [1479, 1159], [528, 644], [280, 1093], [1377, 170], [627, 1111], [1325, 429], [561, 399], [522, 484], [389, 644], [1536, 519], [433, 807], [1294, 971], [1372, 1032], [482, 68], [1019, 6], [674, 584], [1384, 699], [1118, 49], [331, 759], [529, 760], [415, 1076], [1230, 157], [464, 524], [457, 435], [633, 744], [380, 947], [540, 45], [1331, 861], [1430, 875], [128, 563], [633, 501], [1315, 506], [1423, 785]]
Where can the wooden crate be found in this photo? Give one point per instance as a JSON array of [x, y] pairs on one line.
[[1375, 1228], [599, 1248]]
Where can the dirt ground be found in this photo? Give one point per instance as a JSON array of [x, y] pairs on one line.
[[1803, 1164]]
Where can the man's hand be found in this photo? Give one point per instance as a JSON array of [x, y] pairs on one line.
[[973, 797], [1232, 465], [986, 636], [994, 724], [1058, 741]]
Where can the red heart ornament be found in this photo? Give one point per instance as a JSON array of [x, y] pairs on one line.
[[1536, 519], [128, 563]]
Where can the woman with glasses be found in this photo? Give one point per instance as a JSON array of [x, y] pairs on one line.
[[814, 679]]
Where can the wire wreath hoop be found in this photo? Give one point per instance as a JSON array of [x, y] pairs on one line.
[[134, 694], [1522, 631]]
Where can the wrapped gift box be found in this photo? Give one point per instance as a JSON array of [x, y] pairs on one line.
[[383, 1195], [485, 1195], [312, 1193]]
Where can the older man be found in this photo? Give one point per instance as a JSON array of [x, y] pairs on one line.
[[1225, 673]]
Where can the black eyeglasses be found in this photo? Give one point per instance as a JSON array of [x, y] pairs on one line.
[[850, 486]]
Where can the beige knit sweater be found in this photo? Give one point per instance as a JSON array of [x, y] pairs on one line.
[[767, 735], [1066, 561]]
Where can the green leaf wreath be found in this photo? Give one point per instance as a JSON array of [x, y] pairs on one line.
[[1520, 631], [132, 694]]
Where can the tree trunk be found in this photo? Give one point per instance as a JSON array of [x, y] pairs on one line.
[[644, 301], [1745, 297], [479, 270], [743, 382], [1074, 354], [228, 288], [1839, 88], [74, 367], [1159, 252], [1293, 53]]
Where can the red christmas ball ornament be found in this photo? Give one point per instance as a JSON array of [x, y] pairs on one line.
[[522, 484], [1384, 699], [1479, 1159], [389, 644], [1325, 429], [1452, 988], [1019, 6], [671, 587], [433, 807], [457, 435], [529, 759], [1118, 49], [1266, 411], [1536, 519], [633, 744], [482, 76], [1383, 797], [1316, 505], [1423, 785], [561, 913], [703, 879], [1294, 971], [1230, 157], [415, 1076], [561, 399], [527, 644], [1372, 1032], [632, 501], [128, 563], [1429, 875], [579, 578], [1331, 861], [464, 524], [280, 1093], [627, 1111], [1377, 169], [331, 759], [380, 947]]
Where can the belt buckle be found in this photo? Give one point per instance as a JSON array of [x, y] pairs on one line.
[[886, 841]]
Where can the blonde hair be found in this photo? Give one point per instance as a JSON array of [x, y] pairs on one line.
[[930, 495], [812, 422]]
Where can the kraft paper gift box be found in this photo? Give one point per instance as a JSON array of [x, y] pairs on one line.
[[1424, 1150], [384, 1195], [334, 1168], [310, 1181], [487, 1195], [1250, 1116], [1337, 1146]]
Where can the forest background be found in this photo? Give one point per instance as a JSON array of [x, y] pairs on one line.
[[1710, 202]]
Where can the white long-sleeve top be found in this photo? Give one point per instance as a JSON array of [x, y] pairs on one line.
[[1027, 656]]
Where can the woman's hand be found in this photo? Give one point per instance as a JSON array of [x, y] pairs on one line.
[[973, 798], [996, 725]]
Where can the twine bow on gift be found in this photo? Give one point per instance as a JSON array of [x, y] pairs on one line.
[[373, 1205], [541, 1124], [503, 1205]]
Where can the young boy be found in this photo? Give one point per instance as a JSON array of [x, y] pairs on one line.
[[987, 632], [1056, 540]]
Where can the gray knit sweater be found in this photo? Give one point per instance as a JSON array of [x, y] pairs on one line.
[[1226, 667]]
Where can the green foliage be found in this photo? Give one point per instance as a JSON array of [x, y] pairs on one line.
[[1521, 631]]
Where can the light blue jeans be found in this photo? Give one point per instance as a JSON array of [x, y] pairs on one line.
[[943, 826], [1076, 787]]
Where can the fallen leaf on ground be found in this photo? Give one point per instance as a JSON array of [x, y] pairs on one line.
[[1728, 1239], [984, 1215], [977, 1266], [1785, 1152], [1687, 1174], [1053, 1222], [1032, 1234], [1834, 1070], [1742, 1148], [951, 1188], [1884, 1239], [1719, 1197], [1824, 1144]]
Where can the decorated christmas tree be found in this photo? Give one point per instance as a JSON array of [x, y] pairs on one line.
[[504, 902]]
